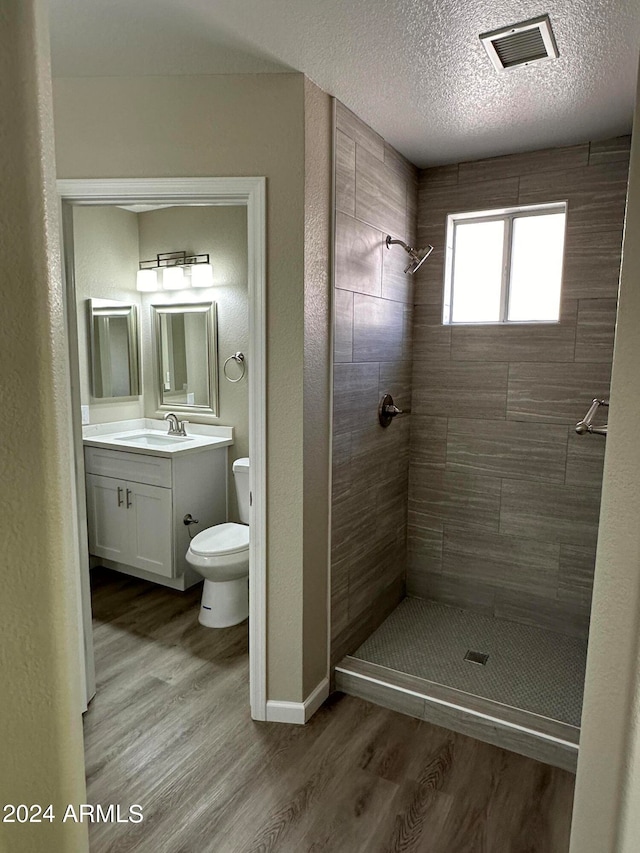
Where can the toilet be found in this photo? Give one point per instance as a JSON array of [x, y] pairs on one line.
[[221, 555]]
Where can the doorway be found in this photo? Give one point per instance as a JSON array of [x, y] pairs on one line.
[[175, 192]]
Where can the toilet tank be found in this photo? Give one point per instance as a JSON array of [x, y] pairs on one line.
[[241, 477]]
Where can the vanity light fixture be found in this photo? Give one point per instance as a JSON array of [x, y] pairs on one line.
[[175, 271]]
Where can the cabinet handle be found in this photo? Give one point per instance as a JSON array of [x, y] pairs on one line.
[[120, 501], [128, 498]]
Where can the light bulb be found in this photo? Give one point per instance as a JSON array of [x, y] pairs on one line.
[[201, 275], [173, 278], [147, 280]]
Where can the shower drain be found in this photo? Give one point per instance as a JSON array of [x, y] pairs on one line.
[[476, 657]]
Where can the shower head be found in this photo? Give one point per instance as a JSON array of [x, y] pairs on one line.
[[418, 256]]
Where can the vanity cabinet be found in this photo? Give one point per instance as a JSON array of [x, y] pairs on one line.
[[131, 523], [136, 504]]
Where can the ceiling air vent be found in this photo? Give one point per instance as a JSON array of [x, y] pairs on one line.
[[521, 44]]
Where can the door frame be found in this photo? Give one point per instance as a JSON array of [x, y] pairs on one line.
[[249, 192]]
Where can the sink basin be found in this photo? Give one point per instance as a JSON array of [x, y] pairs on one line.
[[152, 439]]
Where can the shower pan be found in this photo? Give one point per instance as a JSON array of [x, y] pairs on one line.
[[512, 685]]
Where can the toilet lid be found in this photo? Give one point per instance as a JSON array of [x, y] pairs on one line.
[[228, 538]]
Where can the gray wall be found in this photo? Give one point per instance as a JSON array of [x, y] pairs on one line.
[[504, 497], [375, 195]]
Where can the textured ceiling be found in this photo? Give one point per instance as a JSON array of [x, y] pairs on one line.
[[415, 70]]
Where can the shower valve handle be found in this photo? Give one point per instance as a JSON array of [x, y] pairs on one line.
[[387, 410]]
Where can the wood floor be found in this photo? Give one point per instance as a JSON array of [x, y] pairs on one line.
[[170, 729]]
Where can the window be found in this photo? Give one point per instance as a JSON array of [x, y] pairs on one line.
[[505, 266]]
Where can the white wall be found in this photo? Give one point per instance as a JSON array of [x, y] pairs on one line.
[[606, 818], [41, 752]]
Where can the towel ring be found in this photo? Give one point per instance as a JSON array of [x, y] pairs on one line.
[[238, 357]]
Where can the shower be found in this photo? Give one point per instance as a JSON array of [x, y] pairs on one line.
[[418, 256]]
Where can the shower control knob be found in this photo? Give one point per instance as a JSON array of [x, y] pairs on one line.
[[387, 410]]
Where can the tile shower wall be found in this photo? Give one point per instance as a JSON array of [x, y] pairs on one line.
[[504, 497], [376, 195]]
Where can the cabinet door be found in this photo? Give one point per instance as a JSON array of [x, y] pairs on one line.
[[107, 519], [150, 520]]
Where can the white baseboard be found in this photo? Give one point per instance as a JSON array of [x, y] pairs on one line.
[[298, 713]]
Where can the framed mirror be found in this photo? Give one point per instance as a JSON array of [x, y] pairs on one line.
[[115, 364], [187, 357]]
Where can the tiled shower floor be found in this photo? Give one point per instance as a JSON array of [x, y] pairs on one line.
[[528, 668]]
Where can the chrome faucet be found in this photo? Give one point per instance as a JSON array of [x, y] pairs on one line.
[[176, 427]]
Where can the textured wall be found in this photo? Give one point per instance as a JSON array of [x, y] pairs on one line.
[[373, 306], [317, 379], [504, 496], [221, 232], [41, 757], [605, 815], [226, 125], [105, 248]]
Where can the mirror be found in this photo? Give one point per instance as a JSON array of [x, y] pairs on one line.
[[186, 354], [113, 332]]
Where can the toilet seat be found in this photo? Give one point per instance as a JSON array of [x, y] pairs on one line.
[[221, 540]]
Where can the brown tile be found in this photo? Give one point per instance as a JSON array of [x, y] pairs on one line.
[[353, 524], [358, 256], [395, 379], [585, 457], [345, 174], [381, 197], [460, 498], [568, 618], [575, 582], [513, 342], [399, 164], [379, 454], [507, 449], [550, 512], [379, 329], [437, 203], [341, 465], [412, 211], [449, 589], [343, 325], [610, 150], [460, 388], [355, 396], [429, 280], [396, 284], [527, 163], [428, 442], [505, 561], [431, 339], [424, 543], [446, 176], [371, 574], [391, 511], [361, 133], [595, 329], [591, 264], [596, 194], [555, 393], [339, 597]]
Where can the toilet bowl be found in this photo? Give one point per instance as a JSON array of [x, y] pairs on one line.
[[221, 555]]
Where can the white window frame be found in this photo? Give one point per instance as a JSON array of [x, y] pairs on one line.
[[506, 215]]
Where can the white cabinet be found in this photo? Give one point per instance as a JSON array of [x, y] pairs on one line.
[[130, 523], [136, 504]]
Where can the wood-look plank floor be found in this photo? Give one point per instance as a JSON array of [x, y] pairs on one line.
[[170, 729]]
